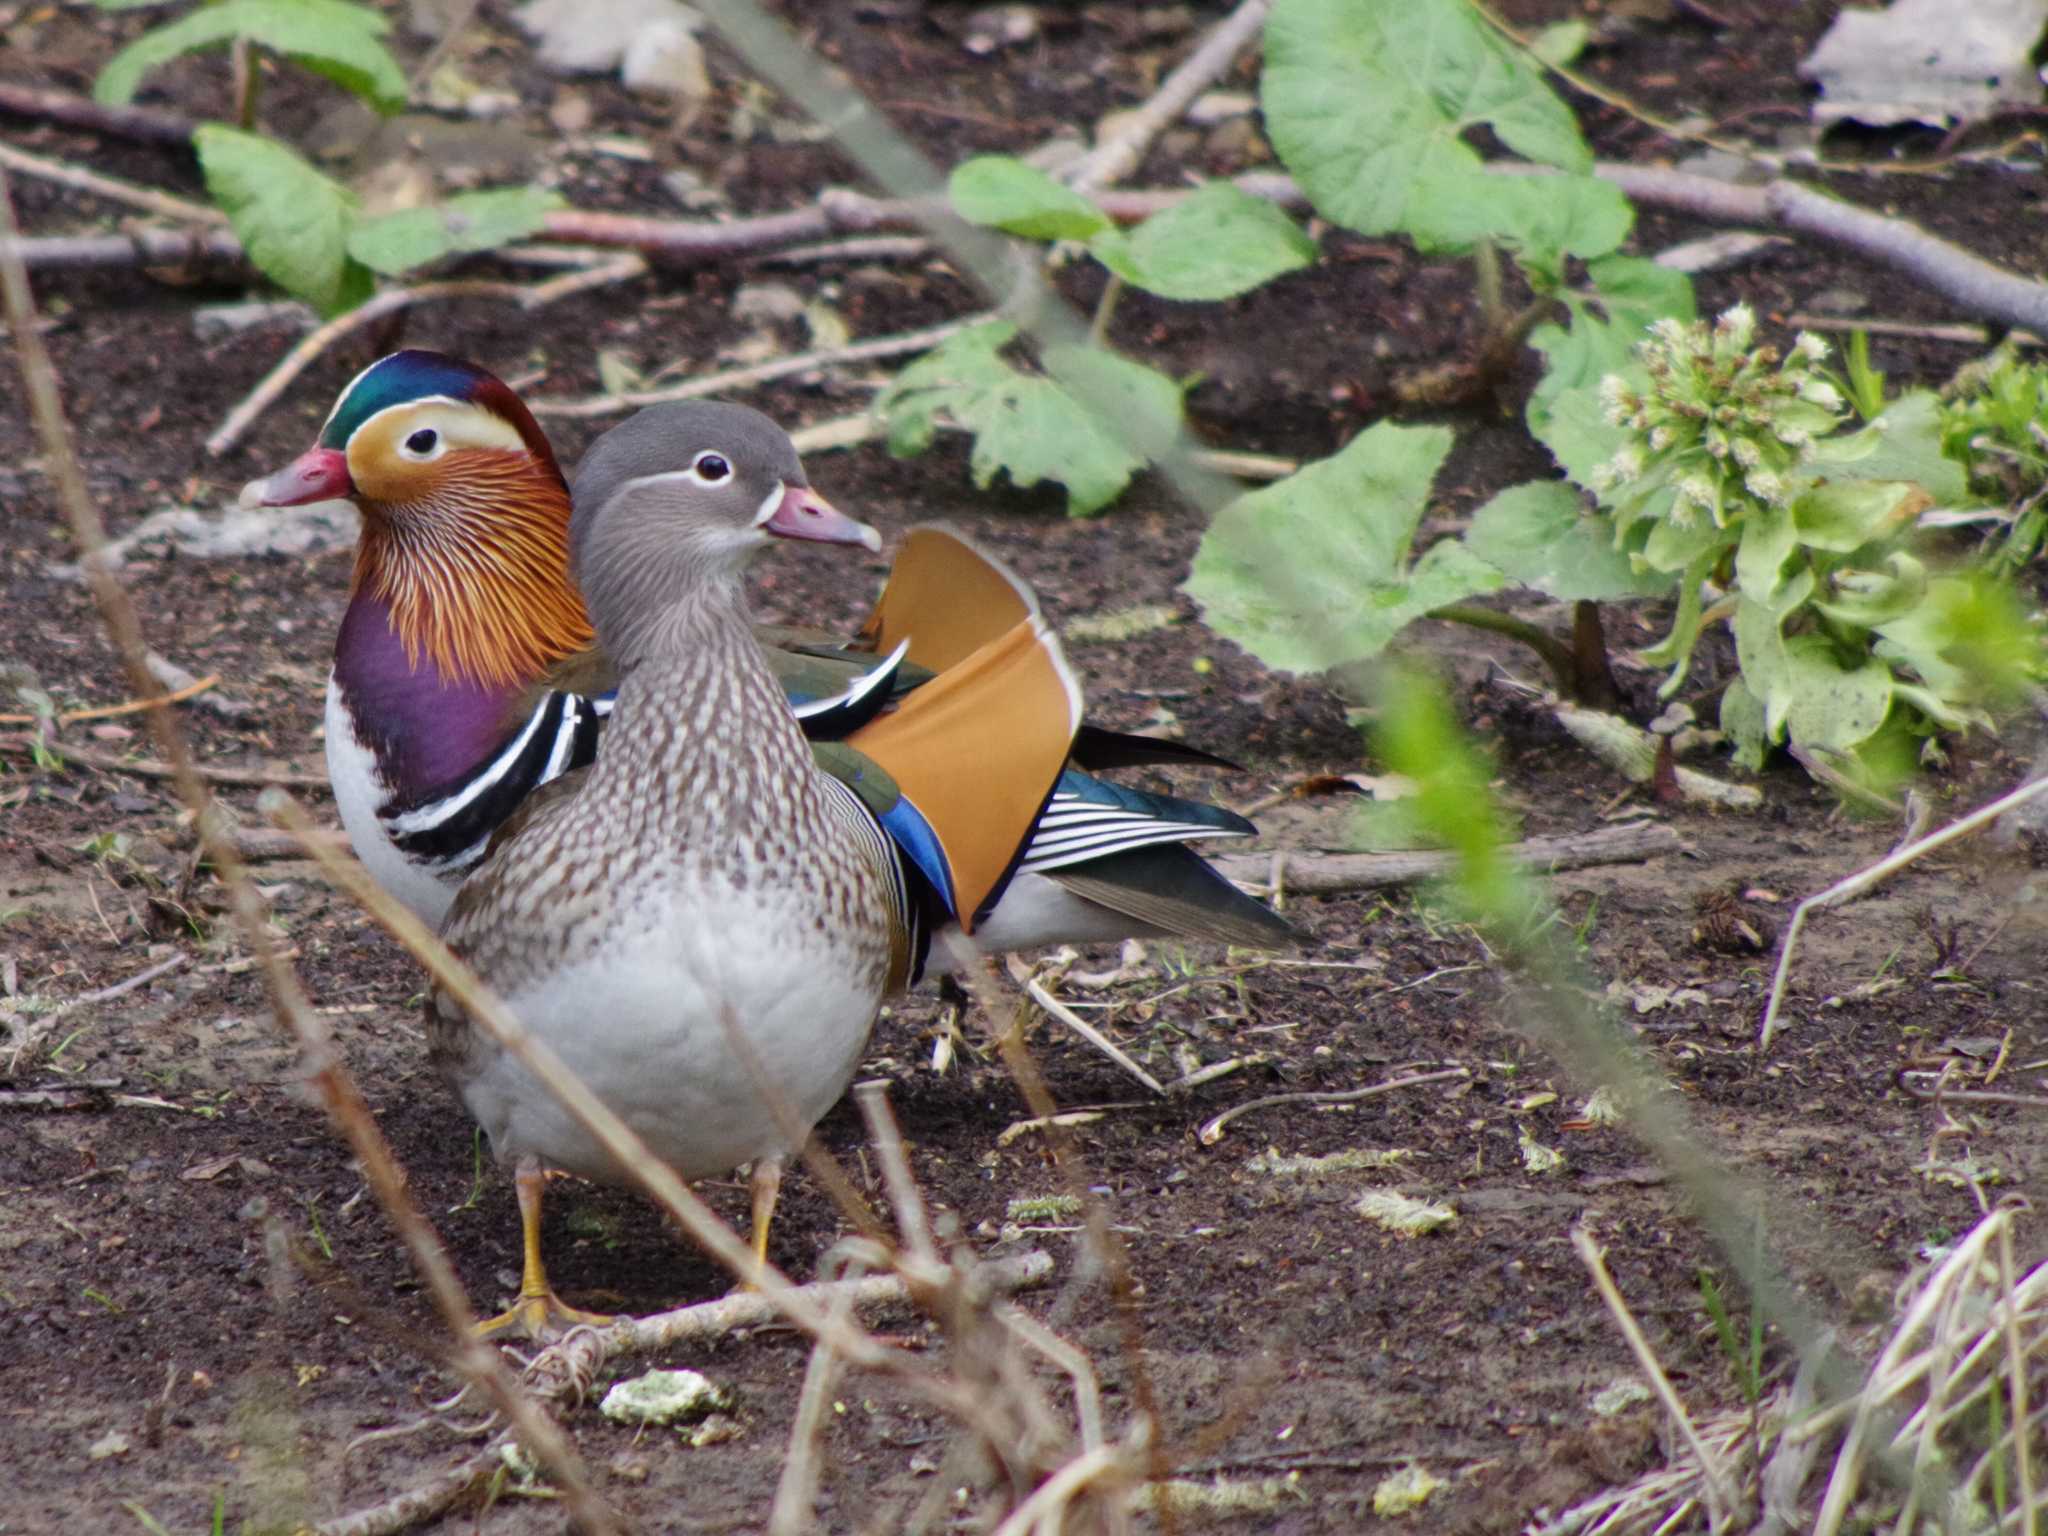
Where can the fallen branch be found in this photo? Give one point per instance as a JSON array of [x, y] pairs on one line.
[[390, 302], [1329, 874], [152, 768], [145, 125], [1111, 162], [1883, 869]]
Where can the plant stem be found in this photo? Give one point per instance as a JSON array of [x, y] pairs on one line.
[[1105, 309], [1563, 664], [243, 58]]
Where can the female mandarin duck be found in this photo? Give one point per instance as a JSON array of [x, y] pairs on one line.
[[465, 677], [703, 924]]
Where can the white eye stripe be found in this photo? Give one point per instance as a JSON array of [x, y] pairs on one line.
[[770, 503]]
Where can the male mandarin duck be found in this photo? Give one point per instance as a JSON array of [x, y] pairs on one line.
[[466, 675], [703, 923]]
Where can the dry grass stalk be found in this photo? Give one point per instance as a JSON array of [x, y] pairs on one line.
[[1967, 1352], [325, 1071]]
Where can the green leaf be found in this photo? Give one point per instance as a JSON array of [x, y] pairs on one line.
[[1215, 245], [1842, 515], [1538, 536], [1561, 41], [1005, 193], [293, 221], [1368, 103], [1803, 685], [1030, 427], [333, 38], [1834, 706], [1314, 572], [1904, 443], [1768, 540], [470, 221], [1742, 719]]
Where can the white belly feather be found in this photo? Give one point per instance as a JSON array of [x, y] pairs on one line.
[[649, 1022]]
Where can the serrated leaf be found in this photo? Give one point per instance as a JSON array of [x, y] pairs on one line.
[[469, 221], [1314, 571], [1218, 243], [293, 221], [1031, 427], [1537, 535], [1368, 103], [333, 38], [1004, 193]]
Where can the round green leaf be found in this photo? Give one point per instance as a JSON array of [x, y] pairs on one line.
[[1004, 193], [1216, 244]]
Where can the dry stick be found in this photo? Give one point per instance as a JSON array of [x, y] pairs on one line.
[[140, 248], [1054, 1008], [1112, 162], [390, 302], [1212, 1131], [80, 179], [1883, 869], [148, 125], [1966, 279], [152, 768], [1721, 1494], [328, 1076], [1325, 874], [759, 373], [132, 707]]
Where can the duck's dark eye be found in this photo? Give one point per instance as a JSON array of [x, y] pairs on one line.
[[712, 466], [422, 441]]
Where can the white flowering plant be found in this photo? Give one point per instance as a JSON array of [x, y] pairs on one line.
[[1736, 477]]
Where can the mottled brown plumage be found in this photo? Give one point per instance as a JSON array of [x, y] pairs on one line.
[[704, 926]]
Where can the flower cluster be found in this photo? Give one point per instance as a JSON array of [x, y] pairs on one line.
[[1725, 424]]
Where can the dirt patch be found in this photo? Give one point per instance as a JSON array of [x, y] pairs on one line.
[[197, 1298]]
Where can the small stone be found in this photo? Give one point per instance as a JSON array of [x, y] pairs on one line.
[[112, 1443], [570, 112], [660, 1397]]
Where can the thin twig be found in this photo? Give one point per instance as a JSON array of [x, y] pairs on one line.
[[329, 1078], [758, 373], [1212, 1131], [1080, 1026], [153, 768], [390, 302], [132, 707], [1864, 879], [80, 179], [1721, 1494]]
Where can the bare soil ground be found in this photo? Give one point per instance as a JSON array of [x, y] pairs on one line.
[[197, 1299]]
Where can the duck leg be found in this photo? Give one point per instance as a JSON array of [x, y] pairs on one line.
[[538, 1313], [764, 1181]]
